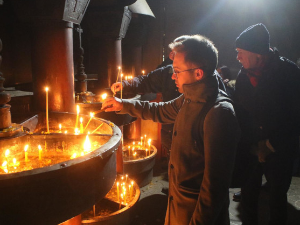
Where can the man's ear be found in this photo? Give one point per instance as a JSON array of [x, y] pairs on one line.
[[199, 74]]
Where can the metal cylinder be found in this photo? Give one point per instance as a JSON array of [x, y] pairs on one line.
[[52, 65]]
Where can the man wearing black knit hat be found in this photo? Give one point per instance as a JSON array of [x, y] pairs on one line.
[[267, 94]]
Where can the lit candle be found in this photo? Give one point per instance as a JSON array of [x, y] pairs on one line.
[[4, 166], [130, 192], [117, 80], [40, 152], [91, 117], [74, 155], [120, 201], [133, 143], [15, 163], [104, 96], [143, 72], [134, 154], [76, 131], [81, 126], [149, 143], [59, 126], [6, 154], [87, 146], [66, 131], [77, 117], [47, 110], [118, 194], [26, 153], [131, 189], [121, 84]]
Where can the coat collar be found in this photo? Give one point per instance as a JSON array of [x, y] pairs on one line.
[[202, 90]]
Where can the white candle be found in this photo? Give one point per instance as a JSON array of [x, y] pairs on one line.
[[26, 153], [81, 125], [118, 192], [91, 117], [77, 117], [40, 152], [47, 110], [121, 85]]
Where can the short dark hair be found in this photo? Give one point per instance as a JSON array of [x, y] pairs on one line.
[[198, 50]]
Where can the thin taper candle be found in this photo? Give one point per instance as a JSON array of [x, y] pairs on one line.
[[47, 110]]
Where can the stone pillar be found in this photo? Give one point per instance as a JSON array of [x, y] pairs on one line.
[[5, 116], [52, 65]]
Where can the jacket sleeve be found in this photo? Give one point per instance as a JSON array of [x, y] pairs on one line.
[[163, 112], [151, 83], [221, 135]]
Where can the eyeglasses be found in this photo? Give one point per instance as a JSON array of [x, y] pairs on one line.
[[176, 73]]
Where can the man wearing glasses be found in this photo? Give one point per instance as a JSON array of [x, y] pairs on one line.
[[203, 144]]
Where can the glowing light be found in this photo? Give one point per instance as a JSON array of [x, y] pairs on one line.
[[104, 96], [87, 146]]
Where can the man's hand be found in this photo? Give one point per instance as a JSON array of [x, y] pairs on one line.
[[112, 104], [116, 87]]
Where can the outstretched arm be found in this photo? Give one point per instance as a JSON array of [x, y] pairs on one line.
[[163, 112], [150, 83]]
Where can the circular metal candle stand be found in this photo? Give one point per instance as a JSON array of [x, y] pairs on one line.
[[141, 169], [113, 213], [55, 193]]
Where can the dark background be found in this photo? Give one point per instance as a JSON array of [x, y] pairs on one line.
[[220, 20]]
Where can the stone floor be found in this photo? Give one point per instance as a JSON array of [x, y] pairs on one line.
[[152, 205]]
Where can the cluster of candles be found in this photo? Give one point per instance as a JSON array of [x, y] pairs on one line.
[[10, 163], [78, 129], [124, 190], [143, 145]]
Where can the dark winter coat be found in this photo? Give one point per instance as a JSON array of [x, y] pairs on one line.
[[271, 110], [199, 175]]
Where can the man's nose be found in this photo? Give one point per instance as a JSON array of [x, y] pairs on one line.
[[173, 76]]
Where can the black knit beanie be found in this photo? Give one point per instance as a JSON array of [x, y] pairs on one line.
[[255, 39]]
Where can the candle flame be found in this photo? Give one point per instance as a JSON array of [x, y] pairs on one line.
[[66, 131], [78, 109], [104, 96], [46, 89], [81, 119], [7, 152], [14, 160], [25, 148], [59, 126], [121, 74], [91, 115], [74, 156], [77, 131], [119, 67], [39, 147], [4, 164], [87, 144]]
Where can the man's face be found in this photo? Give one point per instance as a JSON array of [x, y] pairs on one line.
[[186, 77], [249, 60], [171, 55]]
